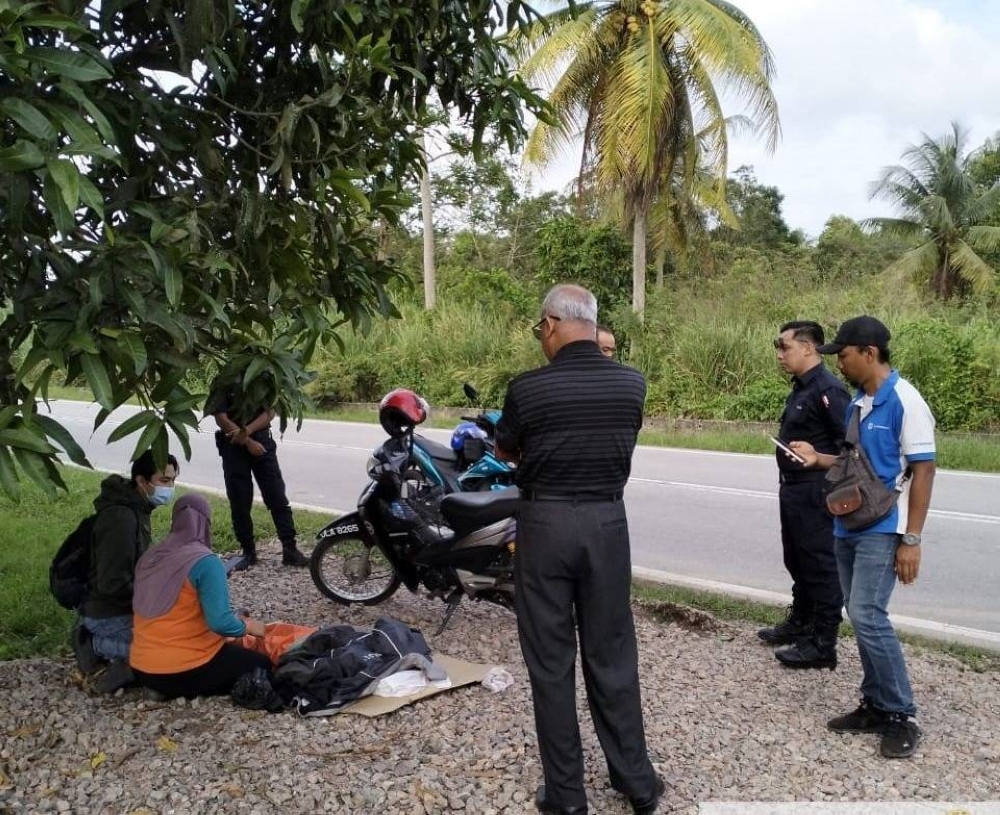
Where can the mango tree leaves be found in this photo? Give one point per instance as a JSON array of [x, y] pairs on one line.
[[158, 219]]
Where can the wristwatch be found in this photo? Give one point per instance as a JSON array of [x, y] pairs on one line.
[[911, 540]]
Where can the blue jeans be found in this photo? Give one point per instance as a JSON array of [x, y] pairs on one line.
[[867, 567], [112, 636]]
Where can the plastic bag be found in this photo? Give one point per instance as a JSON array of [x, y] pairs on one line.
[[278, 638], [497, 679]]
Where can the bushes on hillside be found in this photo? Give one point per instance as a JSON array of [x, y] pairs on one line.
[[705, 346]]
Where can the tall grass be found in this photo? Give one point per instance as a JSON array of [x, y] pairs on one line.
[[705, 345], [433, 353]]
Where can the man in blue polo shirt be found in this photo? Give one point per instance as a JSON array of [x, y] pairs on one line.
[[897, 434]]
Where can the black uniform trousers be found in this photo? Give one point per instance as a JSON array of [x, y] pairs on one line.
[[574, 557], [807, 542], [240, 469]]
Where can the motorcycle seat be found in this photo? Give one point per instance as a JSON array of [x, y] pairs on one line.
[[465, 510], [438, 452]]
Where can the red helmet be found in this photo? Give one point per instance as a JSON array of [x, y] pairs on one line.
[[400, 411]]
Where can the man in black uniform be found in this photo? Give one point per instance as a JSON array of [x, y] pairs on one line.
[[571, 426], [814, 411], [249, 452]]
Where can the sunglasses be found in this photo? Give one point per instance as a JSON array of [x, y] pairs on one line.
[[536, 329]]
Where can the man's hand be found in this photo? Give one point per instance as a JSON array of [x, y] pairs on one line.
[[805, 451], [254, 447], [907, 563]]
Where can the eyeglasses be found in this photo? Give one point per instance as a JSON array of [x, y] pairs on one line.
[[536, 329]]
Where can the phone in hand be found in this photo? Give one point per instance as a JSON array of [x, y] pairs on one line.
[[788, 450]]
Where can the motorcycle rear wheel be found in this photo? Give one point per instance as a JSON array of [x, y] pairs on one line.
[[348, 570]]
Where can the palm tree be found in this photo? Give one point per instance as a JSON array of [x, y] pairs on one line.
[[945, 210], [642, 82]]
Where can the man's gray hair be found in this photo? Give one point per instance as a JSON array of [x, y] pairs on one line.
[[571, 303]]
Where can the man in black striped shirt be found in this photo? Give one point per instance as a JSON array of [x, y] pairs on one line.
[[571, 426]]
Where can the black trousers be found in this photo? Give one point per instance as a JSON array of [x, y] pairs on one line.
[[240, 470], [807, 542], [574, 558], [215, 678]]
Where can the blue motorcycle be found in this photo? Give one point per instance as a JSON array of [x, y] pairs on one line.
[[469, 463], [423, 519]]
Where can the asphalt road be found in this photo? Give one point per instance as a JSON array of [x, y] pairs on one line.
[[702, 518]]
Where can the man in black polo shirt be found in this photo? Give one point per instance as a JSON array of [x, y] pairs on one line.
[[249, 452], [571, 426], [814, 411]]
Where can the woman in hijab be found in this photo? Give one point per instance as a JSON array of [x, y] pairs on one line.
[[183, 615]]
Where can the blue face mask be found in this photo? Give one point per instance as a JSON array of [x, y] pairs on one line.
[[160, 496]]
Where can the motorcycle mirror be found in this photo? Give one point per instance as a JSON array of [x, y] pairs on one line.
[[470, 392]]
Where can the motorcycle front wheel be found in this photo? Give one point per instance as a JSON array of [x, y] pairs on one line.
[[348, 570]]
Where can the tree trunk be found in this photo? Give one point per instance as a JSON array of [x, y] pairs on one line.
[[661, 261], [942, 281], [639, 264], [426, 207]]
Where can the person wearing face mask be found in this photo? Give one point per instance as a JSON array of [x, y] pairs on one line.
[[121, 535]]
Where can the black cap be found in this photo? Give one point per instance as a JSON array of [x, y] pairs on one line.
[[862, 331]]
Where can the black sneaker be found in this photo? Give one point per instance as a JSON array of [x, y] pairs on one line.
[[900, 736], [82, 642], [786, 632], [866, 719]]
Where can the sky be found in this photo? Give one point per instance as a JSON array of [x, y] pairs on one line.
[[858, 81]]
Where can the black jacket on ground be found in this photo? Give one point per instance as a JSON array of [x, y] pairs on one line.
[[336, 665]]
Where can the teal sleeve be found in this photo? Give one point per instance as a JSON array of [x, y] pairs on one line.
[[208, 576]]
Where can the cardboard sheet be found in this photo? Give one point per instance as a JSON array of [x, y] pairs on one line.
[[459, 672]]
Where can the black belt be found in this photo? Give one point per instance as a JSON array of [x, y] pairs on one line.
[[571, 497], [800, 478]]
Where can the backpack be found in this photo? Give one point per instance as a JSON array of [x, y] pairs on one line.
[[70, 567], [69, 570]]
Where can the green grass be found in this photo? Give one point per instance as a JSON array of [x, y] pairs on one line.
[[725, 607], [31, 622]]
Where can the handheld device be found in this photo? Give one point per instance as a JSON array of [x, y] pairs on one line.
[[788, 450]]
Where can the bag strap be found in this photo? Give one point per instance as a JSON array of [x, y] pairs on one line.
[[853, 434], [852, 440]]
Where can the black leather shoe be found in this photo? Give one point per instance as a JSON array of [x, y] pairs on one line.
[[787, 631], [546, 806], [648, 806], [808, 653]]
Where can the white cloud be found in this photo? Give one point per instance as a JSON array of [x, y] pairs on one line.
[[858, 81]]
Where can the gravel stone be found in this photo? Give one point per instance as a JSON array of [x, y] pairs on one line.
[[724, 721]]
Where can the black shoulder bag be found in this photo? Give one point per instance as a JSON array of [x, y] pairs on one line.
[[854, 492]]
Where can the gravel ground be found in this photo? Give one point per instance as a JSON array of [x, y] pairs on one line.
[[724, 722]]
